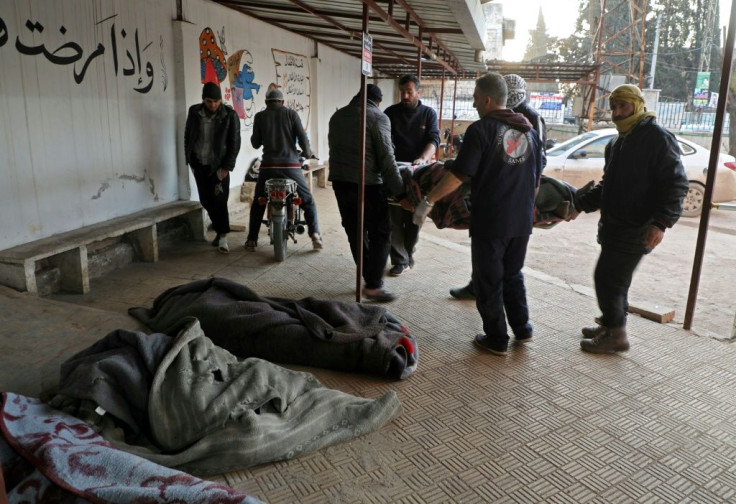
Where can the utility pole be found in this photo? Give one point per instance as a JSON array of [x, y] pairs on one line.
[[653, 68], [706, 45]]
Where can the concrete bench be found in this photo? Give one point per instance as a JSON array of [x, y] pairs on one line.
[[321, 170], [68, 251]]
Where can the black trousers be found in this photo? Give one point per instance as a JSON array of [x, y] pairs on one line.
[[404, 235], [613, 274], [308, 205], [499, 285], [377, 228], [213, 194]]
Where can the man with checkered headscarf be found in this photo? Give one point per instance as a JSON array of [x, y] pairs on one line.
[[639, 197], [518, 101]]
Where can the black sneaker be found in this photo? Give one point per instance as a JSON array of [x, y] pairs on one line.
[[399, 269], [495, 346]]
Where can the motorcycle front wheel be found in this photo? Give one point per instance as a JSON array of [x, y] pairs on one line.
[[279, 236]]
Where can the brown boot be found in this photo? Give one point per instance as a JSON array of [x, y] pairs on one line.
[[592, 332], [611, 341]]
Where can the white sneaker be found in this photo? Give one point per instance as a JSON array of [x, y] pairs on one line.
[[222, 246], [317, 241]]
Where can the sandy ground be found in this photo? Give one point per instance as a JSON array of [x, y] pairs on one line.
[[568, 253]]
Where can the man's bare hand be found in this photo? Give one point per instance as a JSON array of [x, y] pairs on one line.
[[572, 215], [653, 237]]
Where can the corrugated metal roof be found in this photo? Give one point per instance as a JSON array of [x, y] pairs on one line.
[[581, 73], [401, 30]]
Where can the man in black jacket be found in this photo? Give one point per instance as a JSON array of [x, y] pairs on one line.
[[416, 136], [211, 145], [639, 197], [382, 180]]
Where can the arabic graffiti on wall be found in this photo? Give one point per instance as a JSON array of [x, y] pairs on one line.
[[71, 53], [292, 76], [242, 85]]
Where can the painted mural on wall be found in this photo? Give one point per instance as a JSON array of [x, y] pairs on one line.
[[212, 63], [242, 84], [215, 65], [292, 77], [135, 63]]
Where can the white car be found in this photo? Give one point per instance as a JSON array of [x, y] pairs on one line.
[[580, 160]]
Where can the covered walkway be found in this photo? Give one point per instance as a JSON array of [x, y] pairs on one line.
[[545, 424]]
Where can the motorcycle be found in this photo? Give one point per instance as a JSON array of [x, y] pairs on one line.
[[283, 214]]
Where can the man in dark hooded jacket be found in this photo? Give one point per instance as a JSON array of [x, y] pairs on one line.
[[502, 156], [639, 197]]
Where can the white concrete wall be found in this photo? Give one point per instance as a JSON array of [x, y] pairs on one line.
[[74, 154], [81, 140]]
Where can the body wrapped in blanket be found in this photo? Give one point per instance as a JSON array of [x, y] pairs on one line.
[[553, 203], [185, 403], [328, 334]]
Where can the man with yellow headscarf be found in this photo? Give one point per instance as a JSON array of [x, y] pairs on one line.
[[639, 197]]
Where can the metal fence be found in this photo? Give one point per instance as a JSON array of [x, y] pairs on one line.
[[675, 116]]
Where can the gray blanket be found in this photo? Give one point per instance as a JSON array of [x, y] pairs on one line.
[[187, 404], [328, 334]]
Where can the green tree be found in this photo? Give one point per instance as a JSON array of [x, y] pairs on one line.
[[681, 44]]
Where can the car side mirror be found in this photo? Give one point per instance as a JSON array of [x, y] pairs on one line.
[[579, 154]]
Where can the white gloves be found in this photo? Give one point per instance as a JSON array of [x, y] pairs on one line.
[[421, 211]]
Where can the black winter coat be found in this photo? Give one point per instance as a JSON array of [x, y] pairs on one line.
[[225, 140], [643, 184]]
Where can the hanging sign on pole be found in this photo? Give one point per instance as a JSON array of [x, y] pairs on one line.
[[367, 60]]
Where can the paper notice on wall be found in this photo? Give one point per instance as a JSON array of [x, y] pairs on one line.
[[292, 74]]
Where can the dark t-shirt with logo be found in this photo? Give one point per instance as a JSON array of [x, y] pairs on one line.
[[504, 165]]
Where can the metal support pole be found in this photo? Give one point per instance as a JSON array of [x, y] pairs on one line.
[[452, 124], [594, 87], [715, 148], [361, 174], [442, 102]]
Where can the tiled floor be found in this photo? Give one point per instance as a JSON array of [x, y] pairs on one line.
[[547, 423]]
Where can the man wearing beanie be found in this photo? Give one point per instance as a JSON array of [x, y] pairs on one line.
[[211, 145], [416, 136], [502, 157], [276, 129], [639, 197], [518, 101], [382, 180]]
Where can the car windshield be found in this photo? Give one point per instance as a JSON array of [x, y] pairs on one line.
[[559, 150]]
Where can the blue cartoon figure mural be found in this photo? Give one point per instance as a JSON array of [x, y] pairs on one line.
[[241, 75]]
